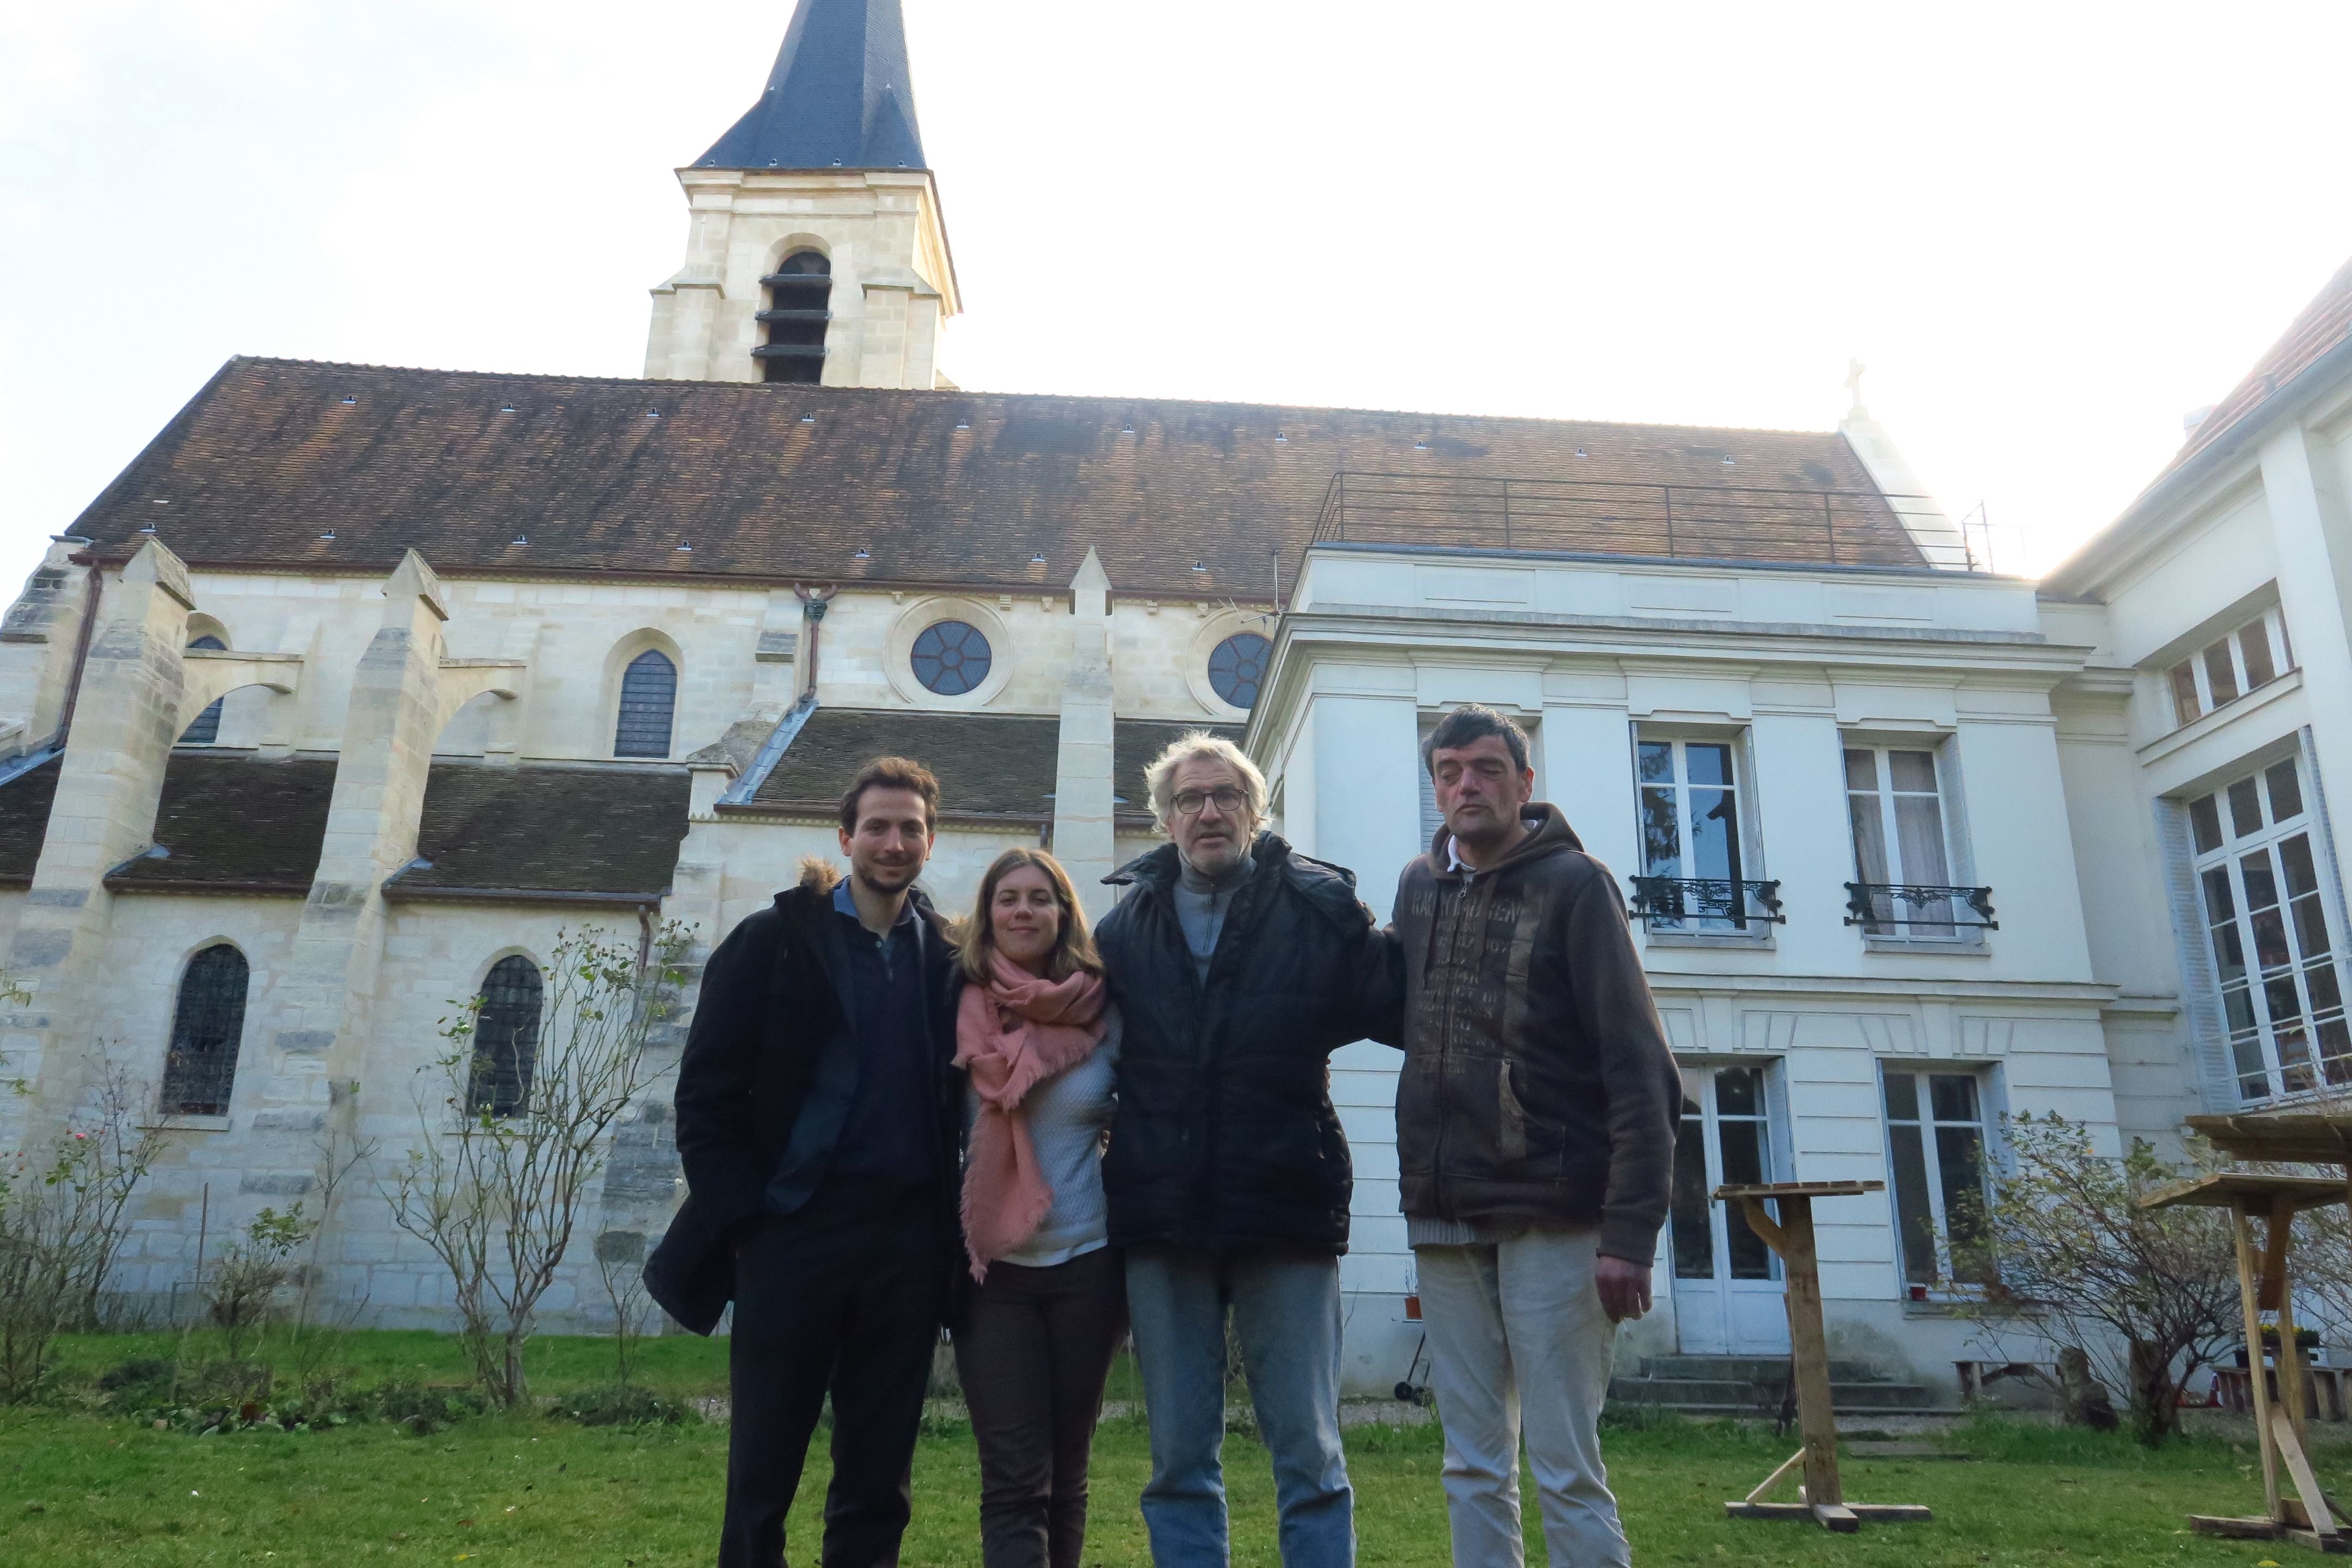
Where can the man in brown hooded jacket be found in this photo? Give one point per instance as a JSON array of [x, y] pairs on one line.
[[1534, 1137]]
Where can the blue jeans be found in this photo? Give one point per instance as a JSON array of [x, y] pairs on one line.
[[1285, 1309]]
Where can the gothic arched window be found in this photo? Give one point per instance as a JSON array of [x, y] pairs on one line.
[[648, 697], [799, 292], [1237, 668], [208, 1024], [506, 1039], [207, 729]]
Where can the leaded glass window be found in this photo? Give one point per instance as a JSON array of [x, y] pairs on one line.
[[1237, 668], [205, 731], [208, 1024], [951, 658], [506, 1039], [648, 697]]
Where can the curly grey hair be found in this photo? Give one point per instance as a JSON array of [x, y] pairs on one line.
[[1159, 778]]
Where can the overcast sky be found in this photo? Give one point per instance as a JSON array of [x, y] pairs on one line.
[[2050, 229]]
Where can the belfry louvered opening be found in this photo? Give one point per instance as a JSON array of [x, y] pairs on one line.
[[799, 295]]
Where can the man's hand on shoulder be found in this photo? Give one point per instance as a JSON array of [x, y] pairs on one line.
[[1624, 1288]]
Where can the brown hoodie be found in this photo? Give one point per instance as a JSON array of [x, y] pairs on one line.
[[1538, 1083]]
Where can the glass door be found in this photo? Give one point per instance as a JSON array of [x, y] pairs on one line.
[[1726, 1281]]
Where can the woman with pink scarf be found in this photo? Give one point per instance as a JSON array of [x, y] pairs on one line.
[[1033, 1344]]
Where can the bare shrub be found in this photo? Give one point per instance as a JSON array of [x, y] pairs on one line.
[[2149, 1296], [620, 1262], [62, 1204], [497, 1196]]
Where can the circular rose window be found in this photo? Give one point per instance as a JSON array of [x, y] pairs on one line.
[[951, 659], [1237, 666]]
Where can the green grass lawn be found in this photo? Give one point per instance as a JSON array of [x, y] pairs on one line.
[[80, 1487]]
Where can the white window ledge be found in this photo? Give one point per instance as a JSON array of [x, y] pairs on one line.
[[186, 1124], [1708, 938], [1914, 946]]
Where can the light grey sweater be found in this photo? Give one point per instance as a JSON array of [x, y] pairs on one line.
[[1069, 1118]]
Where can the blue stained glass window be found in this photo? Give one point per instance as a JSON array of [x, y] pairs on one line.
[[1237, 666], [205, 731], [648, 694], [505, 1037], [951, 658], [207, 1026]]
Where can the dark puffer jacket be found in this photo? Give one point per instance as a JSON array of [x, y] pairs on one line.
[[1224, 1135], [1537, 1082]]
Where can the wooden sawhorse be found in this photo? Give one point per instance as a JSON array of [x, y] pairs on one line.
[[1792, 1238], [2308, 1518]]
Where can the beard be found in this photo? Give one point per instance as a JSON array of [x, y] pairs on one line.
[[881, 878]]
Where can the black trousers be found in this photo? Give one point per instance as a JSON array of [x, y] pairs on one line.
[[840, 1298], [1033, 1351]]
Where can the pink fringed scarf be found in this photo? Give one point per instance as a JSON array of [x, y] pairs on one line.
[[1013, 1034]]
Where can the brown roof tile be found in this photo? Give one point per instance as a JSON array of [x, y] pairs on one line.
[[231, 823], [545, 831], [784, 482], [25, 803], [2324, 323], [992, 767]]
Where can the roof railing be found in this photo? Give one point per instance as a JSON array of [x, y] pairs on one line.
[[1715, 523]]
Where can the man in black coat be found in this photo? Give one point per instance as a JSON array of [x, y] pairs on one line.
[[1238, 967], [817, 1124]]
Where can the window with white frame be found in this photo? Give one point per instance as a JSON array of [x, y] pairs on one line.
[[2223, 670], [1936, 1152], [2271, 931], [1903, 849], [1694, 856]]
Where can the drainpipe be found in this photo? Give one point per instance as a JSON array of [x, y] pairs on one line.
[[813, 611]]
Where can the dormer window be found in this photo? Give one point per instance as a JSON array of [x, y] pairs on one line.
[[800, 291]]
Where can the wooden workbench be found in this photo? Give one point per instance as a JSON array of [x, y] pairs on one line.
[[1791, 1236], [2310, 1516]]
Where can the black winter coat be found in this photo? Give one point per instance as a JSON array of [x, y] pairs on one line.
[[1225, 1135], [771, 1043]]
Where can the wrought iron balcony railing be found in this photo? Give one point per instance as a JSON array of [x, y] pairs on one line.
[[1926, 910], [1704, 903]]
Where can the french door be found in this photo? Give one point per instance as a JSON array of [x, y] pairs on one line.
[[1728, 1294]]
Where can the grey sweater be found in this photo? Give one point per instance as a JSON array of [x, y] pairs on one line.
[[1069, 1117]]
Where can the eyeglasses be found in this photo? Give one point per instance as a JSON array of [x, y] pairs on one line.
[[1188, 802]]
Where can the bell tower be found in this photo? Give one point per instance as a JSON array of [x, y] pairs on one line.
[[815, 252]]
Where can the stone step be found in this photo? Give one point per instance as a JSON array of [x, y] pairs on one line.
[[1773, 1369], [1751, 1396]]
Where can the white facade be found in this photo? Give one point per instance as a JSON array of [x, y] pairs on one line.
[[1785, 670]]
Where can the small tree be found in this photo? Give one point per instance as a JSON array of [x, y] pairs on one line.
[[2150, 1295], [243, 1297], [497, 1196], [62, 1204], [620, 1260]]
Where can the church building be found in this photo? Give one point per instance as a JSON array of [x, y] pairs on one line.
[[360, 684]]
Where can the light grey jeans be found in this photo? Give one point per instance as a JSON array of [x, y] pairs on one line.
[[1517, 1338]]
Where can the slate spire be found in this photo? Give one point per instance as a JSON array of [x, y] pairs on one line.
[[839, 97]]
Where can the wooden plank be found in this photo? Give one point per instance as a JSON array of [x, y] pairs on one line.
[[2263, 1529], [2306, 1484], [1808, 1350], [1836, 1516], [2219, 1189], [2336, 1544], [2272, 1296], [2306, 1139], [1752, 1210], [1890, 1512], [1774, 1479], [2242, 1242], [2293, 1389], [1731, 1190]]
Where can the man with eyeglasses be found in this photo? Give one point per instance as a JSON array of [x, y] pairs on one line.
[[1238, 967]]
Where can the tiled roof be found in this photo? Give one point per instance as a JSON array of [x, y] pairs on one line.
[[992, 767], [25, 803], [1134, 742], [546, 831], [2324, 323], [840, 96], [234, 824], [282, 465]]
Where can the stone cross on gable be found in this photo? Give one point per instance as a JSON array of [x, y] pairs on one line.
[[1853, 369]]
